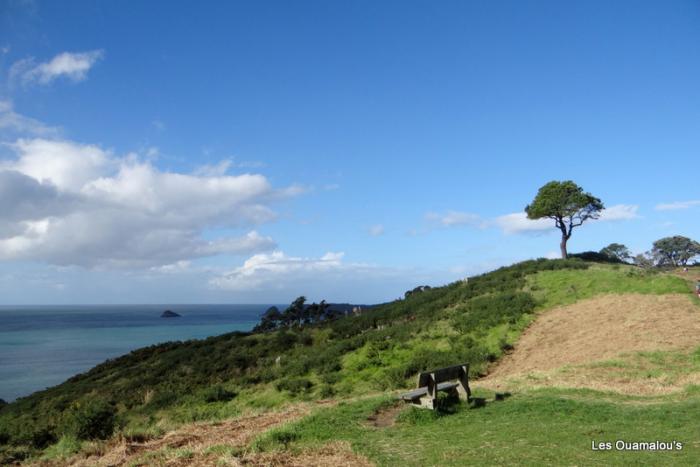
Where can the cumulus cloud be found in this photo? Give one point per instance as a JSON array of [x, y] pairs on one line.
[[72, 66], [619, 212], [376, 230], [274, 269], [68, 203], [677, 205], [518, 222]]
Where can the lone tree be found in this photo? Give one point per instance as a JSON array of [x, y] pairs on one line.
[[675, 251], [567, 204]]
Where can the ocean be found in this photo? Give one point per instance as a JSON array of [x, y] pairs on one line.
[[41, 346]]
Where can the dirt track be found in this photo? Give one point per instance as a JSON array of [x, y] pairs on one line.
[[602, 328]]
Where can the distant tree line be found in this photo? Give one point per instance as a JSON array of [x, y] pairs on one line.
[[420, 288], [297, 314], [676, 251]]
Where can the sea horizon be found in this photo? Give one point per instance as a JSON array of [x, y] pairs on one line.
[[43, 345]]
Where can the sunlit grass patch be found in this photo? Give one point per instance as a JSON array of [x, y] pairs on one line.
[[534, 428], [563, 287]]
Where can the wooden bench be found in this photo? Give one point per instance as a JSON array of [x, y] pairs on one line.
[[453, 380]]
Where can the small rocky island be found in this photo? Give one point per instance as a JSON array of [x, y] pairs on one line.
[[169, 314]]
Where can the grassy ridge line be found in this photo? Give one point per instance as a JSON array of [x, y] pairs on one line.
[[555, 288]]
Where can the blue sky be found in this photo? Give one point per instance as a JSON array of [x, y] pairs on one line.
[[245, 152]]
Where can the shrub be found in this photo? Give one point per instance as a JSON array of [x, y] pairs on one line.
[[284, 436], [327, 391], [594, 256], [294, 385], [43, 437], [92, 419], [160, 398], [492, 310], [218, 394]]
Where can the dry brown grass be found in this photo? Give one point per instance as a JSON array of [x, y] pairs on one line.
[[556, 349], [192, 445], [336, 454]]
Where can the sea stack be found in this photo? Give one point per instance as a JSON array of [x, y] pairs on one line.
[[169, 314]]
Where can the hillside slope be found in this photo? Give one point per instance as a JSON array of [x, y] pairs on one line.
[[602, 328], [157, 389]]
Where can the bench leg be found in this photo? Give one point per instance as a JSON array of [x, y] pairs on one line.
[[427, 403], [463, 387]]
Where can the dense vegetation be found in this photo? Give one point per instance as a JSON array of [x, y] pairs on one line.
[[155, 388]]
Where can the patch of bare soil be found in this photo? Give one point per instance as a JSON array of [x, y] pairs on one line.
[[598, 329], [187, 445], [385, 417]]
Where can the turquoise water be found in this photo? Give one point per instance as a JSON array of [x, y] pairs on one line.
[[43, 346]]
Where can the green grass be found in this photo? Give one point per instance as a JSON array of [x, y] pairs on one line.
[[563, 287], [668, 367], [66, 447], [545, 427]]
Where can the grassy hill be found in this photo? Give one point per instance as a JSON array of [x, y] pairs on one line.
[[360, 361]]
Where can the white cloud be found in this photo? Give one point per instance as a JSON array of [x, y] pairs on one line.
[[454, 218], [677, 205], [376, 230], [173, 268], [518, 222], [619, 212], [214, 170], [275, 269], [67, 203], [73, 66], [11, 121]]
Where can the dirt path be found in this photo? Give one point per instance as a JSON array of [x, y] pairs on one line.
[[600, 328], [386, 417]]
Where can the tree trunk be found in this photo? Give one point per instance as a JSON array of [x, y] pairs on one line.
[[562, 246]]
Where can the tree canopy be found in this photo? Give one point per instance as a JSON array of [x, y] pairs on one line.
[[567, 204], [617, 251], [675, 251]]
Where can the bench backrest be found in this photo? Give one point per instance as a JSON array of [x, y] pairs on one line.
[[443, 374]]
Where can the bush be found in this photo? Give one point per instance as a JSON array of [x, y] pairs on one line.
[[43, 437], [218, 394], [284, 436], [160, 398], [94, 419], [492, 310], [596, 257], [327, 391], [294, 385]]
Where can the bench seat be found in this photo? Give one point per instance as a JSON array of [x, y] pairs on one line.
[[420, 392], [452, 379]]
